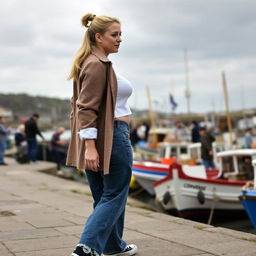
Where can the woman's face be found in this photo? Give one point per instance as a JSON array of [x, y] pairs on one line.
[[110, 41]]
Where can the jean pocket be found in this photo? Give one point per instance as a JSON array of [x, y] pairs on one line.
[[126, 135]]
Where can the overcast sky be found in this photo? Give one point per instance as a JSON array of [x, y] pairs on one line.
[[39, 39]]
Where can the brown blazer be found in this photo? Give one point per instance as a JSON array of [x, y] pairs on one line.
[[93, 106]]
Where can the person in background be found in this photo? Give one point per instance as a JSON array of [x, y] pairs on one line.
[[180, 131], [57, 149], [21, 144], [31, 130], [100, 141], [134, 135], [3, 139], [195, 136], [206, 148], [249, 138]]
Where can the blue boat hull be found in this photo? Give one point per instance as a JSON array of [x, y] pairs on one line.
[[248, 199]]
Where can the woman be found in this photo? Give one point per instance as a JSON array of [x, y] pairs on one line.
[[100, 136]]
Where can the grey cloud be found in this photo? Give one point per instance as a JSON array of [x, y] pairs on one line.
[[42, 37], [15, 36]]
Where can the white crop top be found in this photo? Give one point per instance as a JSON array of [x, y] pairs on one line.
[[124, 91]]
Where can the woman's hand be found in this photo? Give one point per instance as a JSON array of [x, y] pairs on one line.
[[91, 156]]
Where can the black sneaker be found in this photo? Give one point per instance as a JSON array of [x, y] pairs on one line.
[[130, 249], [82, 250]]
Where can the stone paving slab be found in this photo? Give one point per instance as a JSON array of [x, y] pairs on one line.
[[204, 254], [71, 230], [76, 220], [50, 252], [149, 245], [9, 224], [28, 234], [48, 214], [233, 233], [28, 245], [4, 251]]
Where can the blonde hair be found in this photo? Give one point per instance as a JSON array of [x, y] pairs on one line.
[[94, 24]]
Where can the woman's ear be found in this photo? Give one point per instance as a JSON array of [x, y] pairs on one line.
[[98, 38]]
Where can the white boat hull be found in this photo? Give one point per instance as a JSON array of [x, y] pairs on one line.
[[186, 194]]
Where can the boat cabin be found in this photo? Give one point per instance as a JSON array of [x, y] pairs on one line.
[[179, 150], [185, 151], [236, 164]]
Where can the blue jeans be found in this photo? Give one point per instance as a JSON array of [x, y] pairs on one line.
[[209, 164], [32, 149], [104, 228], [2, 149]]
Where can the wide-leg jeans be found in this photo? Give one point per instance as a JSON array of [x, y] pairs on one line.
[[104, 228]]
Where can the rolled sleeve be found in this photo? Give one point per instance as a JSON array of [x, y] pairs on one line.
[[91, 94], [89, 133]]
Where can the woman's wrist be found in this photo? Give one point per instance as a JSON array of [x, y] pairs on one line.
[[90, 143]]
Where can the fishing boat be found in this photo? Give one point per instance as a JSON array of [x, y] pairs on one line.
[[147, 173], [248, 198], [189, 190], [150, 149]]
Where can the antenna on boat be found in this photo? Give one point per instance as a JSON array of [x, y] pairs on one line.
[[225, 89]]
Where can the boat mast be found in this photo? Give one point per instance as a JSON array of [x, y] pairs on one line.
[[151, 116], [227, 108], [187, 90]]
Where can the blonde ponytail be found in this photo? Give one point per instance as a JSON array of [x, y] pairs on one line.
[[94, 24]]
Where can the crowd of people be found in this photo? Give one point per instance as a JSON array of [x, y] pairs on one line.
[[25, 140]]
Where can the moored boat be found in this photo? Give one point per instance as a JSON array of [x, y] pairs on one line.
[[148, 172], [248, 198], [189, 190]]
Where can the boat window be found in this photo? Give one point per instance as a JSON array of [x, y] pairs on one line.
[[183, 150], [160, 137], [174, 151], [227, 164], [245, 167]]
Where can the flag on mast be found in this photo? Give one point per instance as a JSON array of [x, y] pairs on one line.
[[172, 101]]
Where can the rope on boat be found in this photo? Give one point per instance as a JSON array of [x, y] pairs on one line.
[[215, 198]]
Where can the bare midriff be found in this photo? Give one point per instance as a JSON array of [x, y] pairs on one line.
[[124, 118]]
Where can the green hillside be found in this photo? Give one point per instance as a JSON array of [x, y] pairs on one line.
[[23, 105]]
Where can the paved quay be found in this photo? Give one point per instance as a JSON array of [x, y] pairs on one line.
[[43, 215]]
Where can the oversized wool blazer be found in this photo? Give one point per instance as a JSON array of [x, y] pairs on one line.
[[93, 105]]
